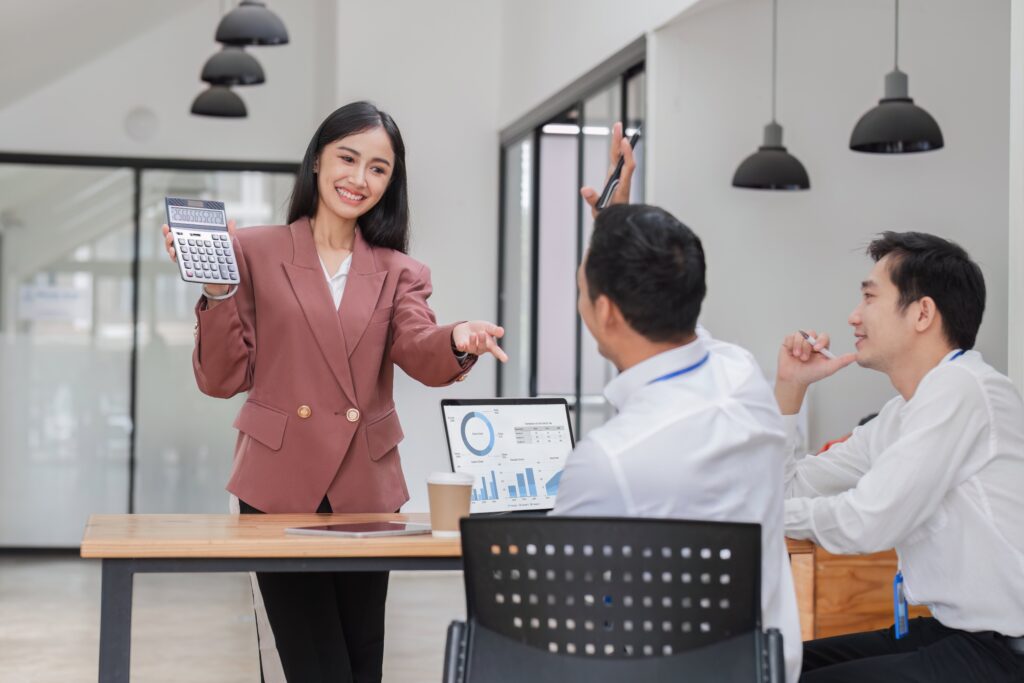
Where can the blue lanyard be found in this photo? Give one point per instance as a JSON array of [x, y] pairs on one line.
[[956, 355], [687, 369], [901, 622]]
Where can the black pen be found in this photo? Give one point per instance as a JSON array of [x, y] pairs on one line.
[[613, 180]]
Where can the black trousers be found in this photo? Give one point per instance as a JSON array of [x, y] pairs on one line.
[[328, 626], [930, 652]]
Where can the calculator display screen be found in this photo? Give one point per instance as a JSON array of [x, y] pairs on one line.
[[187, 215]]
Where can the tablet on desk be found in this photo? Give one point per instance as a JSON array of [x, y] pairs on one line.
[[362, 529]]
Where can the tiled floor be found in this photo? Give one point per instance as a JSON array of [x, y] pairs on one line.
[[187, 627]]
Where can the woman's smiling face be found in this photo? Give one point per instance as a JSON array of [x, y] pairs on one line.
[[353, 172]]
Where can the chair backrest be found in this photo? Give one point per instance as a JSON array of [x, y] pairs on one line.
[[601, 598]]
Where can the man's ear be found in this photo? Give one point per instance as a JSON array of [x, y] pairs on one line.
[[603, 312], [927, 314], [608, 314]]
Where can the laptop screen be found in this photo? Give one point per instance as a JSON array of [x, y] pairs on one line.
[[514, 448]]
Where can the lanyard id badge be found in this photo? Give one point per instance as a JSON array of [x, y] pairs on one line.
[[901, 626]]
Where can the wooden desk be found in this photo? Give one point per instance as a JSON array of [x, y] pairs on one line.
[[131, 544], [801, 560]]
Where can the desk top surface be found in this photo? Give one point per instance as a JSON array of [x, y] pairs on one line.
[[263, 536]]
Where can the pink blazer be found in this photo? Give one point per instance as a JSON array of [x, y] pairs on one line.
[[320, 417]]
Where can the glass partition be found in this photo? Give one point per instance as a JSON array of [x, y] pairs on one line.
[[516, 288], [99, 410], [184, 440], [66, 252]]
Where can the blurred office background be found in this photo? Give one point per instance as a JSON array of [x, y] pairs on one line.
[[506, 107]]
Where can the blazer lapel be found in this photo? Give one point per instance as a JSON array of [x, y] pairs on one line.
[[362, 290], [310, 287]]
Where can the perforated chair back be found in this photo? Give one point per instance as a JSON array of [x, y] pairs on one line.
[[598, 599]]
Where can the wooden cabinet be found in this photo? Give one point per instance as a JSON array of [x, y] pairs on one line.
[[851, 593]]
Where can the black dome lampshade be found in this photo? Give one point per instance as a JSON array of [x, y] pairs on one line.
[[251, 23], [772, 167], [219, 100], [896, 125], [233, 66]]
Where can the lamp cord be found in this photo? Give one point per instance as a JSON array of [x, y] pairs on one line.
[[896, 49], [775, 32]]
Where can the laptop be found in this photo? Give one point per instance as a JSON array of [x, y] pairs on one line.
[[515, 448]]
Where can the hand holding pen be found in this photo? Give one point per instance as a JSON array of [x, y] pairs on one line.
[[804, 359], [620, 173], [819, 347]]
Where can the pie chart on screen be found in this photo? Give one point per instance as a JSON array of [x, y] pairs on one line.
[[477, 433]]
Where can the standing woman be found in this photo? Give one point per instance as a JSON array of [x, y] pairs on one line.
[[327, 306]]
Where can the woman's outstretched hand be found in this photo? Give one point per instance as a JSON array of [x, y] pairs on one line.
[[479, 337]]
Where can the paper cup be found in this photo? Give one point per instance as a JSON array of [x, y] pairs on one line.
[[449, 494]]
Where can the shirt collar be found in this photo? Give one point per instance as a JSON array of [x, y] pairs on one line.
[[620, 389], [342, 270]]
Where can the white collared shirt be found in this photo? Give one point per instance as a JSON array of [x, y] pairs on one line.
[[940, 478], [337, 281], [709, 445]]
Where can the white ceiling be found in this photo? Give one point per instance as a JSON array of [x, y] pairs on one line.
[[40, 40]]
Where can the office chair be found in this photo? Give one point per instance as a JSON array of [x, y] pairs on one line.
[[563, 599]]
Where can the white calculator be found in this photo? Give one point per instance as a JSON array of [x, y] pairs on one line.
[[201, 240]]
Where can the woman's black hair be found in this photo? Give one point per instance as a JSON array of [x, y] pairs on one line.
[[387, 223]]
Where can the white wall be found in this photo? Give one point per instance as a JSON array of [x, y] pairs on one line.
[[1016, 190], [547, 45], [779, 260], [83, 111], [433, 66]]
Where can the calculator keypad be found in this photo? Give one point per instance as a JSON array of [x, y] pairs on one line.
[[208, 259]]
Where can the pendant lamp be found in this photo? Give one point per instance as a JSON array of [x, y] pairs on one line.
[[219, 100], [232, 66], [896, 125], [771, 167], [251, 23]]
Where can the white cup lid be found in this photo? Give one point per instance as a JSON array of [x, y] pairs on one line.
[[459, 478]]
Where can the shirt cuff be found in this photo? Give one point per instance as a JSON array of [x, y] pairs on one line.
[[792, 425], [798, 519]]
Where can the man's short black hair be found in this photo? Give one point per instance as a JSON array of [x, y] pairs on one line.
[[925, 265], [651, 266]]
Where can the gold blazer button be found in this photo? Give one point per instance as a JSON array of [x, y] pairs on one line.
[[352, 415], [304, 412]]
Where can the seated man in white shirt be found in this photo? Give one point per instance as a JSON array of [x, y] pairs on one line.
[[697, 435], [939, 474]]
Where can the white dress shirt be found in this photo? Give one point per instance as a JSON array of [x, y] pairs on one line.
[[337, 281], [708, 444], [940, 478]]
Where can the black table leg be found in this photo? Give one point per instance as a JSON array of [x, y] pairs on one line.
[[116, 621]]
